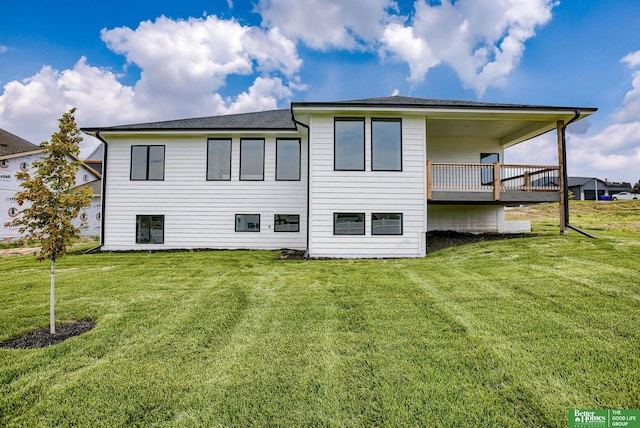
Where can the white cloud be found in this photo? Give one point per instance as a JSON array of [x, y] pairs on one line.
[[482, 41], [262, 95], [325, 24], [183, 63], [31, 106], [632, 60], [402, 43], [630, 110], [4, 49]]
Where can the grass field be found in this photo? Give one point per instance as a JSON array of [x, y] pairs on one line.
[[501, 333]]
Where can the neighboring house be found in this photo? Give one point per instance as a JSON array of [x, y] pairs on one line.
[[585, 188], [17, 154], [363, 178], [614, 187]]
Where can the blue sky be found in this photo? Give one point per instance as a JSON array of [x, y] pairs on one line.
[[126, 62]]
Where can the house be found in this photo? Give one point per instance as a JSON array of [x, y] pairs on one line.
[[615, 187], [18, 154], [361, 178], [585, 188]]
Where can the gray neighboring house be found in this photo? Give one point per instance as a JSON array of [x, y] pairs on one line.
[[585, 188]]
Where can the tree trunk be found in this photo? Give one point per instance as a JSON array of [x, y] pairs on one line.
[[52, 299]]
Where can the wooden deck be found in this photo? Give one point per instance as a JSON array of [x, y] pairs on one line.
[[496, 184]]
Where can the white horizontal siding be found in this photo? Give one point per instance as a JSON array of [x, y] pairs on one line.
[[200, 213], [465, 218], [367, 192], [461, 150]]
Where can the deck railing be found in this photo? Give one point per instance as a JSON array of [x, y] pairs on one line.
[[495, 177]]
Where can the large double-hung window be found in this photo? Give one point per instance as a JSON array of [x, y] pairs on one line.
[[219, 159], [386, 145], [252, 159], [348, 144]]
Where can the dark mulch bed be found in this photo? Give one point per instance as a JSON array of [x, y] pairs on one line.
[[40, 338], [438, 240], [288, 254]]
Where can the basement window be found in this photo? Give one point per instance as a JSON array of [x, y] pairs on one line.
[[150, 229], [247, 222], [348, 223], [286, 223]]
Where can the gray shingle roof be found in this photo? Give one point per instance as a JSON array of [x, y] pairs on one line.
[[402, 101], [12, 144], [282, 119], [267, 120]]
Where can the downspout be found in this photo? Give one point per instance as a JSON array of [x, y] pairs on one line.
[[103, 191], [565, 177], [306, 251]]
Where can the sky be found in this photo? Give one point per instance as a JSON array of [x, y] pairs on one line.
[[123, 62]]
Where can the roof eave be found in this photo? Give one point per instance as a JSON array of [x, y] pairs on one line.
[[189, 131], [20, 154], [437, 110]]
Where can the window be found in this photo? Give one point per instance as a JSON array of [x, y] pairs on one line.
[[386, 224], [386, 145], [286, 223], [288, 159], [348, 223], [219, 159], [252, 160], [150, 229], [247, 222], [348, 144], [147, 162], [487, 172]]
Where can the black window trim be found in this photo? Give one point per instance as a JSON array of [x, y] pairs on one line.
[[286, 231], [263, 159], [364, 223], [388, 234], [364, 138], [299, 140], [164, 157], [230, 140], [137, 230], [235, 223], [386, 119]]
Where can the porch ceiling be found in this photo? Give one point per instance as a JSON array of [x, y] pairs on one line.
[[507, 131]]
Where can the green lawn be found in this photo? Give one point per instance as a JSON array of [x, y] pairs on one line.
[[502, 333]]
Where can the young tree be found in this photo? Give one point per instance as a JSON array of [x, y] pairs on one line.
[[52, 200]]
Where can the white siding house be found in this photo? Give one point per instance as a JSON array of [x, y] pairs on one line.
[[362, 178], [17, 154]]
